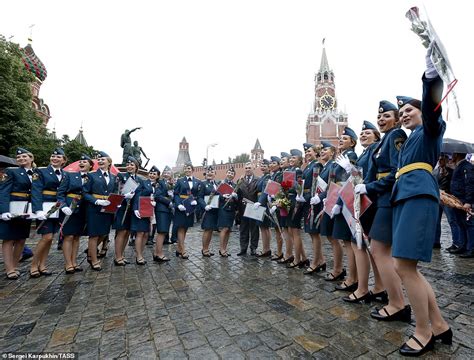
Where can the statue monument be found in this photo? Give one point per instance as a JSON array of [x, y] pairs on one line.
[[126, 145], [137, 152]]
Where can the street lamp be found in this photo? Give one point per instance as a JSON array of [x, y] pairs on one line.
[[207, 151]]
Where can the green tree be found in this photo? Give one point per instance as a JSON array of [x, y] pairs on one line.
[[74, 150], [19, 124], [242, 158]]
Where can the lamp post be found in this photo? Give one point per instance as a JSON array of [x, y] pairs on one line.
[[207, 152]]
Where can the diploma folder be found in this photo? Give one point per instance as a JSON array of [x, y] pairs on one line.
[[272, 188], [214, 203], [289, 176], [187, 204], [115, 202], [252, 213], [144, 207], [331, 198], [224, 189], [129, 186]]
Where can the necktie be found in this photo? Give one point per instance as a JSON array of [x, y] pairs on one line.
[[105, 174], [190, 179], [29, 172], [57, 172], [83, 176], [248, 179]]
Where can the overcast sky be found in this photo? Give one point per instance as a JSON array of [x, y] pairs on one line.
[[228, 72]]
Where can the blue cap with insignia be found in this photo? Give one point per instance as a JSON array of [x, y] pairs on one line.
[[188, 163], [102, 154], [367, 125], [296, 152], [154, 169], [306, 146], [85, 157], [265, 162], [131, 159], [210, 168], [326, 144], [349, 132], [275, 159], [167, 168], [284, 154], [385, 105], [403, 100], [232, 169], [58, 151], [20, 151]]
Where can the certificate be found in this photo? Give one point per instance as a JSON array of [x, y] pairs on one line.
[[21, 208], [214, 203], [252, 213], [47, 206], [129, 186]]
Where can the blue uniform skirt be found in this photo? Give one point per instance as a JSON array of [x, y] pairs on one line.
[[414, 228], [76, 224], [327, 225], [15, 229], [266, 222], [283, 218], [366, 221], [121, 223], [98, 223], [381, 229], [181, 220], [341, 230], [316, 209], [140, 225], [225, 218], [50, 226], [209, 219], [163, 222], [295, 216]]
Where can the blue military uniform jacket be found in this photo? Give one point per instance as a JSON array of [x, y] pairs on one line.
[[162, 198], [423, 145], [15, 185], [325, 174], [44, 187], [308, 178], [339, 173], [363, 160], [97, 185], [277, 176], [383, 167], [462, 182], [232, 204], [182, 190], [207, 188], [261, 183], [71, 183], [145, 189]]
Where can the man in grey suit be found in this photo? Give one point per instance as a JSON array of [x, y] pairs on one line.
[[248, 227]]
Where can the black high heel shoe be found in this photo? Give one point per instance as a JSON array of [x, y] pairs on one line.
[[406, 350], [355, 300], [177, 253], [445, 337], [380, 297]]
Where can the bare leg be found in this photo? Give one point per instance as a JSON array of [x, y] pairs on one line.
[[378, 283], [8, 257], [120, 240], [351, 262], [92, 249], [41, 252], [363, 269], [300, 254], [422, 300], [206, 240], [181, 237], [318, 256], [159, 244], [224, 239], [337, 255], [139, 244], [75, 249], [266, 236], [288, 243], [279, 241], [383, 259], [67, 251]]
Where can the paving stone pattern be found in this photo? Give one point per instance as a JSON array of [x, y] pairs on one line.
[[215, 308]]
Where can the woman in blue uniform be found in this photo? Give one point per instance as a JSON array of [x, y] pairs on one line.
[[139, 224], [283, 215], [164, 192], [265, 224], [154, 177], [207, 193], [227, 209], [296, 211], [73, 212], [97, 188], [44, 191], [326, 227], [123, 217], [186, 192], [310, 174], [415, 200], [15, 186]]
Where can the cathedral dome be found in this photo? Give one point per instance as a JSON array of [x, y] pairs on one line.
[[33, 63]]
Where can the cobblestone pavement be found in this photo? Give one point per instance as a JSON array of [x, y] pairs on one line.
[[215, 308]]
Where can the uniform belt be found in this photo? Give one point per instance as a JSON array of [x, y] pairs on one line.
[[259, 193], [382, 175], [306, 190], [49, 192], [75, 196], [20, 194], [183, 196], [413, 166], [101, 197]]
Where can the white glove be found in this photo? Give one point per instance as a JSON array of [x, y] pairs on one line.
[[273, 209], [430, 71], [344, 162], [181, 208], [300, 199], [67, 211], [6, 216], [226, 196], [256, 205], [129, 195], [360, 189], [170, 205], [315, 200], [336, 210], [208, 207], [153, 203], [102, 202], [170, 192], [137, 214], [41, 215], [234, 195], [194, 203]]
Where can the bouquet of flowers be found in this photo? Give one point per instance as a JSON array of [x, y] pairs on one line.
[[282, 199], [50, 212]]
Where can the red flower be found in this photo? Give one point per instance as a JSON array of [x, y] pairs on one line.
[[286, 185]]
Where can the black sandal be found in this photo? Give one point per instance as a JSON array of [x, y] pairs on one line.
[[206, 254], [276, 257], [184, 256], [332, 277], [224, 254], [70, 270], [291, 265], [96, 266], [45, 272], [12, 275], [156, 258], [77, 268], [35, 274], [142, 261], [354, 300], [120, 262]]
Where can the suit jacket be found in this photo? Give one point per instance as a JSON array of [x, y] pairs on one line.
[[46, 181], [247, 191]]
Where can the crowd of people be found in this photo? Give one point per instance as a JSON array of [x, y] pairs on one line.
[[401, 225]]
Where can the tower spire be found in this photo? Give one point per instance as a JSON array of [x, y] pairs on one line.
[[324, 60]]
